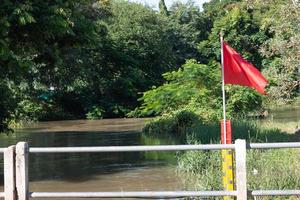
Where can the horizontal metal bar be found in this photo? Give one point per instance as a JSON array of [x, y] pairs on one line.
[[148, 194], [1, 194], [160, 148], [275, 192], [274, 145], [130, 148], [2, 150]]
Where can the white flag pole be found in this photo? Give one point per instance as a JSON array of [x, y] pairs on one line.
[[223, 90]]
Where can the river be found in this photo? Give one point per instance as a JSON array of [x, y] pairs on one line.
[[128, 171]]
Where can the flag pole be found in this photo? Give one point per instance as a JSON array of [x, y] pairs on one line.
[[227, 155], [223, 90]]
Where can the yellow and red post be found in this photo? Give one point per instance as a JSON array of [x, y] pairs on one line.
[[227, 159]]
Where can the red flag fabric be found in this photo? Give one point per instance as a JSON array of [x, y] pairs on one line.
[[238, 71]]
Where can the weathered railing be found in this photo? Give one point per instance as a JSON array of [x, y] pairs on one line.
[[16, 171]]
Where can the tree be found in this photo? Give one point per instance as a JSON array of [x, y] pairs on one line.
[[36, 39], [281, 50], [185, 28], [196, 87], [163, 10]]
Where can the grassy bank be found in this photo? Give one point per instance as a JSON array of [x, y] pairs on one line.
[[185, 126], [267, 169]]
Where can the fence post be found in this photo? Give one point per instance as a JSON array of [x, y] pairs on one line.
[[241, 170], [22, 183], [9, 174]]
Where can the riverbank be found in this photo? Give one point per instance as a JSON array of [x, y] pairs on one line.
[[267, 169]]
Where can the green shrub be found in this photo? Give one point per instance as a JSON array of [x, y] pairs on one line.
[[28, 110], [196, 87], [95, 113], [174, 124]]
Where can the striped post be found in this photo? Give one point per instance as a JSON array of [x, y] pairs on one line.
[[227, 159]]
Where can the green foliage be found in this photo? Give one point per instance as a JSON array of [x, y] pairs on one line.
[[196, 87], [163, 8], [185, 27], [282, 51], [107, 53], [175, 124], [95, 113], [182, 86], [27, 111], [141, 39], [37, 38], [240, 30]]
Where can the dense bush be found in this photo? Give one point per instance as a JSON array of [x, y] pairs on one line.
[[95, 113], [175, 124], [196, 87]]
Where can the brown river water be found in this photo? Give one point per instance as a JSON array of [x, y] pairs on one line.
[[83, 172]]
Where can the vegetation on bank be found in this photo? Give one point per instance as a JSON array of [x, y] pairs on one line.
[[188, 127], [266, 169]]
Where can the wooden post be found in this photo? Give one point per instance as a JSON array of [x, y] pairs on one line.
[[241, 170], [9, 174], [22, 183]]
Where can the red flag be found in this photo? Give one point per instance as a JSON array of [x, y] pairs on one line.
[[238, 71]]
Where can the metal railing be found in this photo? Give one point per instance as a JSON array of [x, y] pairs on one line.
[[16, 171]]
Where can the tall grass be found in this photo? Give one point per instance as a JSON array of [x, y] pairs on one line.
[[251, 131], [267, 169], [185, 126]]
